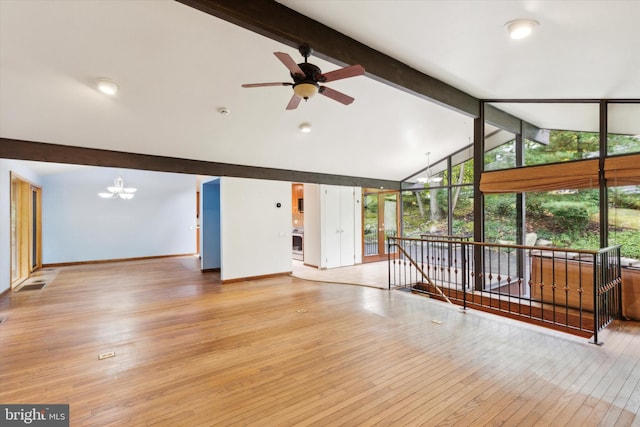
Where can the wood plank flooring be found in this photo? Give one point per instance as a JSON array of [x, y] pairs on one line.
[[285, 351]]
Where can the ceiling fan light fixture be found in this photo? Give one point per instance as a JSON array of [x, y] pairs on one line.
[[521, 28], [107, 86], [307, 78], [305, 90]]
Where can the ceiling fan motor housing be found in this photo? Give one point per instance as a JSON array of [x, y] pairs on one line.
[[312, 73]]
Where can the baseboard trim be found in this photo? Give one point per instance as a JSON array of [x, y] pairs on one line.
[[210, 270], [248, 278], [105, 261]]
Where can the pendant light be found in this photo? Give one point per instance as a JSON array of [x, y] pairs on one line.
[[429, 178]]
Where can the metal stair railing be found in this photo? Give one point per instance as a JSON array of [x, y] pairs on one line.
[[577, 291]]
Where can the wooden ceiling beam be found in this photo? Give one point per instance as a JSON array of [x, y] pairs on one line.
[[55, 153]]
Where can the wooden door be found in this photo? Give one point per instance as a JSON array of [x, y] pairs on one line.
[[26, 226], [380, 219]]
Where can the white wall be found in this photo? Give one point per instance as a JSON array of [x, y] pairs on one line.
[[77, 225], [256, 235]]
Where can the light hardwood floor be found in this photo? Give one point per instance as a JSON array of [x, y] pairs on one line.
[[374, 274], [285, 351]]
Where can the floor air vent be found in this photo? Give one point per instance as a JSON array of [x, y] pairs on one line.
[[33, 286]]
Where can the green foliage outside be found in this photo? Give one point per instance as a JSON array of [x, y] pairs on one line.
[[564, 219], [422, 215], [563, 146], [463, 213], [624, 200], [370, 205], [629, 241], [425, 211], [619, 144]]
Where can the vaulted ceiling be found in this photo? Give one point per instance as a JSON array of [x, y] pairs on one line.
[[178, 63]]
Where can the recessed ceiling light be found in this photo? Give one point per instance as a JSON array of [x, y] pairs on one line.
[[107, 86], [521, 28], [305, 127]]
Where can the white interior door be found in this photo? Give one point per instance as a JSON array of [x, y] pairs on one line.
[[332, 219], [347, 226]]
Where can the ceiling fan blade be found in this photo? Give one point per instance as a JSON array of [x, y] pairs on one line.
[[266, 84], [289, 63], [335, 95], [342, 73], [293, 102]]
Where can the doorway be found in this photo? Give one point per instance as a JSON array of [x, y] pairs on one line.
[[380, 219], [297, 221], [26, 229]]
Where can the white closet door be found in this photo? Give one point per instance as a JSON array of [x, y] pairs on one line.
[[347, 226], [332, 219]]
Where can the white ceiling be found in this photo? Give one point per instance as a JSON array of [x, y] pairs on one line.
[[582, 49], [176, 66]]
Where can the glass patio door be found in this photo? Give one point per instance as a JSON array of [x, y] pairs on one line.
[[379, 221]]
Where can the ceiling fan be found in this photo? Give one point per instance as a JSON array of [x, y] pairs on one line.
[[307, 78]]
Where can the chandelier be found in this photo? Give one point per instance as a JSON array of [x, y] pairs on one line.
[[118, 190], [430, 177]]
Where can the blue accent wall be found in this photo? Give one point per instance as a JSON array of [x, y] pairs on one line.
[[210, 225]]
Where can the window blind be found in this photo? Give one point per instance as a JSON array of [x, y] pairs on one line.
[[558, 176], [622, 170]]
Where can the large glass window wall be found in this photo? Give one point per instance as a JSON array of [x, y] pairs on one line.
[[564, 216]]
